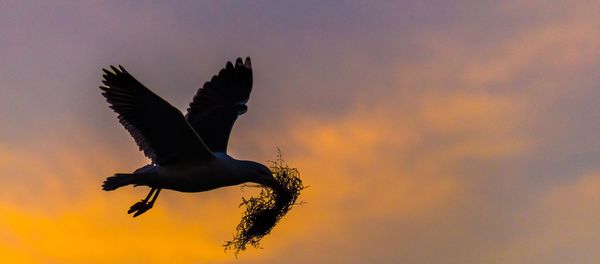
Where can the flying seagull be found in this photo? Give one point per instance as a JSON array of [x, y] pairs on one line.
[[188, 153]]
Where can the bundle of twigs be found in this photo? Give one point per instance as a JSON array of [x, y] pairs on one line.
[[264, 211]]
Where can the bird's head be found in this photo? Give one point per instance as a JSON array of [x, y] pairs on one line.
[[260, 174]]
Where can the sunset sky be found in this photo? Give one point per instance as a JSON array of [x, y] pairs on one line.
[[428, 131]]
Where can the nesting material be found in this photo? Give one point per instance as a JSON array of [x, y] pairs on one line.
[[264, 211]]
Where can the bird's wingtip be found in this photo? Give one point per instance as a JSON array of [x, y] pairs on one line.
[[114, 69], [238, 62], [247, 63]]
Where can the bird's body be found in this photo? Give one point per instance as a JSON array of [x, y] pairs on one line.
[[222, 171], [188, 153]]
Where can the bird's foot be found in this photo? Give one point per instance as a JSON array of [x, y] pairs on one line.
[[139, 208]]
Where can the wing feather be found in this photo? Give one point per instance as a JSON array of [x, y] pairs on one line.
[[218, 103], [158, 128]]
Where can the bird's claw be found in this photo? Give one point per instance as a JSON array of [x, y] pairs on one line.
[[139, 208], [136, 206]]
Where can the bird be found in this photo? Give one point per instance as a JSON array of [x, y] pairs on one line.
[[188, 153]]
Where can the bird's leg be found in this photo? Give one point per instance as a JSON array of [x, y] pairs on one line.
[[151, 203], [143, 205], [148, 205], [149, 194]]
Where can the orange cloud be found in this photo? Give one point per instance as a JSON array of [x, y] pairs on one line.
[[367, 164], [395, 178], [59, 214], [560, 225]]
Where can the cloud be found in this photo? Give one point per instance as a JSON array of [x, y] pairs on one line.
[[366, 167], [560, 226], [466, 135]]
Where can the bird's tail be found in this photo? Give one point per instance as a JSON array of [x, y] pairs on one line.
[[120, 180]]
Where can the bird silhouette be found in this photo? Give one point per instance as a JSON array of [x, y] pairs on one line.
[[188, 153]]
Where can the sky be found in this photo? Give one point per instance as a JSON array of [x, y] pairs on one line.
[[428, 131]]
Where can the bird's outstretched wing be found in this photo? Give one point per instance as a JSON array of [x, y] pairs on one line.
[[158, 128], [219, 102]]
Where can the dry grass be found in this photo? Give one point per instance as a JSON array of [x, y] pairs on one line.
[[264, 211]]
